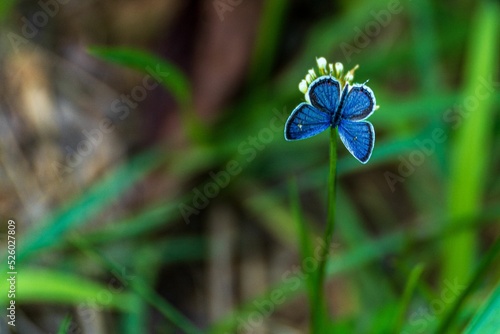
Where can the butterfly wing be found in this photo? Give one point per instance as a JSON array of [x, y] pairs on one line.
[[306, 121], [359, 103], [358, 137], [324, 94]]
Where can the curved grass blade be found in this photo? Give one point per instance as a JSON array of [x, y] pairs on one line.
[[60, 287], [487, 319], [52, 229], [165, 73], [480, 272]]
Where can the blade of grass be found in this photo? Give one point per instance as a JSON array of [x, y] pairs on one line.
[[273, 216], [60, 287], [304, 237], [393, 243], [165, 73], [483, 268], [140, 287], [371, 282], [487, 318], [404, 304], [135, 320], [424, 33], [63, 329], [267, 39], [471, 149], [51, 230], [153, 218]]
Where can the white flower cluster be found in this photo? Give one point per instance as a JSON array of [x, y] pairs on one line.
[[335, 70]]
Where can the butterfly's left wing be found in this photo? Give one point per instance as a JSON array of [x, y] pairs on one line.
[[306, 121], [358, 104], [358, 137]]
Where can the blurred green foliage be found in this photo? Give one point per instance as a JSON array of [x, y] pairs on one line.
[[424, 63]]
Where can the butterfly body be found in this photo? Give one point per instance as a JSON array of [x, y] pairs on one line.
[[331, 106]]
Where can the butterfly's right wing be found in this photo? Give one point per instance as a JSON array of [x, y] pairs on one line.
[[358, 137], [359, 103], [306, 121], [357, 134]]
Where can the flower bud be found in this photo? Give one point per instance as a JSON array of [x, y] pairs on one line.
[[312, 73], [303, 86], [321, 61], [349, 77], [339, 68]]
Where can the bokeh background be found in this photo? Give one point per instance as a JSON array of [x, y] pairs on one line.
[[144, 165]]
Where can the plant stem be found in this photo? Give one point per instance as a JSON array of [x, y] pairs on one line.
[[319, 316]]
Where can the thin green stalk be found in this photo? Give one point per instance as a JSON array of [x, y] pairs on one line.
[[304, 236], [319, 312], [64, 327], [408, 292]]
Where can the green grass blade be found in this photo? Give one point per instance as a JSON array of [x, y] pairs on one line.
[[63, 329], [404, 304], [141, 288], [304, 237], [365, 253], [62, 288], [154, 217], [470, 150], [165, 73], [267, 39], [487, 319], [424, 33], [482, 270], [51, 230]]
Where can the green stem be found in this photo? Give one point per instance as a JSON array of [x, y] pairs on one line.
[[319, 311]]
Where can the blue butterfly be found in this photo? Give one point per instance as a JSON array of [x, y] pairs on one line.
[[330, 108]]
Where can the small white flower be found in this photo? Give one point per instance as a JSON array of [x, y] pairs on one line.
[[312, 73], [303, 86], [339, 69], [349, 77], [309, 79], [321, 61]]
